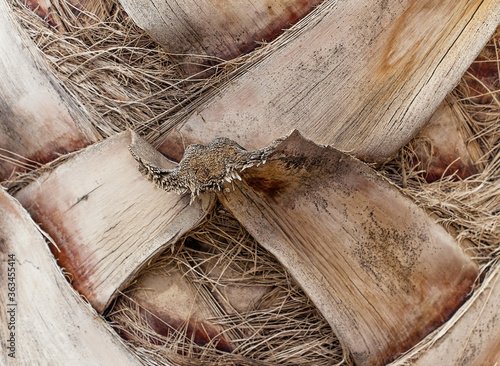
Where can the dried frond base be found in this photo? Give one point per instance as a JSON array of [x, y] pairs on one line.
[[115, 70], [284, 327]]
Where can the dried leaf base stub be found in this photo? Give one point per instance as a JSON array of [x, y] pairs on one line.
[[39, 119], [105, 218], [378, 268], [441, 147], [393, 61], [50, 323], [264, 314]]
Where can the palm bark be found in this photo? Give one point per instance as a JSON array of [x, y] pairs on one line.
[[50, 322], [363, 77], [106, 219], [380, 270]]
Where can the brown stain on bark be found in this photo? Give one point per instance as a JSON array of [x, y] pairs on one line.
[[432, 315], [402, 51], [269, 186], [61, 145], [415, 34], [40, 10], [46, 13], [69, 255], [279, 16], [238, 37], [491, 354]]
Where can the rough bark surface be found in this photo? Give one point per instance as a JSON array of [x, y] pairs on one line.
[[39, 120], [221, 29], [106, 219], [381, 271], [52, 323], [364, 78]]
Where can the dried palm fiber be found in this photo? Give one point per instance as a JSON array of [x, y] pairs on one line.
[[284, 328], [112, 67]]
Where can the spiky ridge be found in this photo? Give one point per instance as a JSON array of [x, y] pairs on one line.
[[205, 168]]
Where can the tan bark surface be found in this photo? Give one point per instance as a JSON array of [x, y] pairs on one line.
[[364, 77], [471, 337], [52, 323], [381, 271], [221, 29], [39, 119], [106, 218]]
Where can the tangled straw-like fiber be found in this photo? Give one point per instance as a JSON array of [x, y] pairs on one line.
[[121, 75], [111, 66], [283, 327]]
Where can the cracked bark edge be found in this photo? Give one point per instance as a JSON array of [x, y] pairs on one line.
[[382, 272], [107, 220], [52, 322]]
